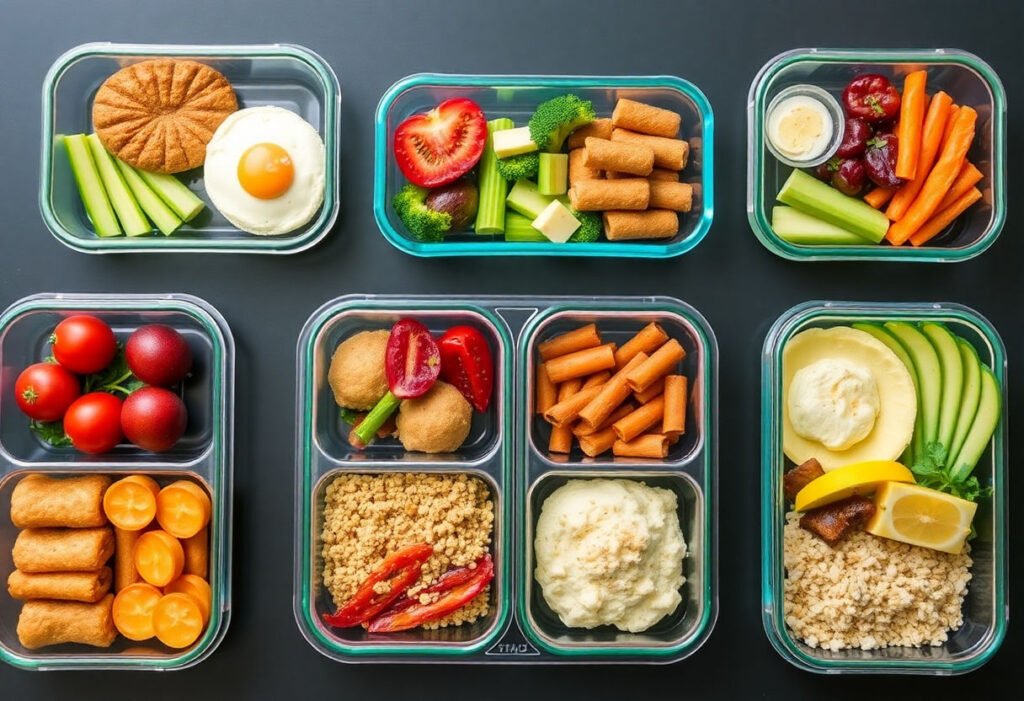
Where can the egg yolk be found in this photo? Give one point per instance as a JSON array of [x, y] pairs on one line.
[[265, 171]]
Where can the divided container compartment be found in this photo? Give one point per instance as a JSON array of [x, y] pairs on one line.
[[521, 479], [204, 455], [283, 75], [964, 76], [516, 97], [986, 607]]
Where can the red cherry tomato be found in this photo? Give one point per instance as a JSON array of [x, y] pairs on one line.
[[154, 418], [93, 422], [467, 364], [412, 361], [872, 98], [44, 391], [84, 344]]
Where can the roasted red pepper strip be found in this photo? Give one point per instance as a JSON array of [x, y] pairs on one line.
[[410, 615], [402, 569], [448, 580], [467, 364]]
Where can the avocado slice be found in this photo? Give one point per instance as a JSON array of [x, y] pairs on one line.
[[985, 422], [968, 397], [929, 374], [90, 186], [916, 446], [133, 221], [952, 378]]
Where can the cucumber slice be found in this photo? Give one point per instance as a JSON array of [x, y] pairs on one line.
[[90, 186], [133, 221], [969, 397], [952, 379], [525, 199], [929, 375], [165, 220], [802, 229], [985, 422], [175, 193], [811, 196]]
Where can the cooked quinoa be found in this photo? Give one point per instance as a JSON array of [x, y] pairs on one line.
[[869, 592], [368, 517]]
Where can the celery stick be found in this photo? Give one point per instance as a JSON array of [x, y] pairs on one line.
[[553, 174], [90, 186], [524, 198], [133, 221], [490, 214], [520, 229], [385, 407]]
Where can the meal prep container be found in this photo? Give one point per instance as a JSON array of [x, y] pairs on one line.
[[968, 79], [986, 607], [204, 455], [283, 75], [516, 97], [506, 449]]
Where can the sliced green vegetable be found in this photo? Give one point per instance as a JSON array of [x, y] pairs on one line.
[[185, 203], [525, 199], [553, 174], [929, 375], [985, 421], [952, 379], [367, 430], [133, 221], [804, 230], [811, 196], [165, 220], [520, 228], [970, 396], [90, 186], [490, 215]]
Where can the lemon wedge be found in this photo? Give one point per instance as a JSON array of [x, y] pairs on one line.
[[847, 481], [921, 516]]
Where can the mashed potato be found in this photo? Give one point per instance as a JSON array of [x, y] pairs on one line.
[[610, 552], [835, 402]]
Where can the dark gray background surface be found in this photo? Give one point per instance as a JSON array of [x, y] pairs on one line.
[[738, 285]]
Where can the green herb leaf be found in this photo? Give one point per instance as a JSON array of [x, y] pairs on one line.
[[116, 378], [350, 416], [931, 471], [51, 432]]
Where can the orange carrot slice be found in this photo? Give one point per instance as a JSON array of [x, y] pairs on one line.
[[931, 141], [878, 197], [159, 558], [195, 586], [178, 620], [967, 178], [911, 124], [132, 611], [183, 508], [130, 503], [945, 217]]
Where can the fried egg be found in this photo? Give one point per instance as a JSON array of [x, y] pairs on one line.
[[265, 170]]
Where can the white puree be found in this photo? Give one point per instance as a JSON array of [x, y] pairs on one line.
[[834, 402]]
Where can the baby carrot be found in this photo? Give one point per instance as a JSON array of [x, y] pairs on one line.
[[911, 123], [945, 217], [934, 127], [879, 196], [968, 177]]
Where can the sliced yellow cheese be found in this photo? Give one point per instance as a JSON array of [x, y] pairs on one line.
[[556, 222], [512, 142]]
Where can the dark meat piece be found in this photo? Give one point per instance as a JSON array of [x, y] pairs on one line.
[[831, 523], [799, 477]]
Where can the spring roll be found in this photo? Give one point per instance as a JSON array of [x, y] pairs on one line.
[[620, 157], [63, 549], [601, 195], [646, 119], [601, 128], [656, 174], [197, 553], [652, 224], [578, 171], [675, 196], [670, 154], [87, 587], [44, 623], [45, 502], [124, 560]]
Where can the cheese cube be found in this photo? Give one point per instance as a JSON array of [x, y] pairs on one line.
[[556, 222], [512, 142]]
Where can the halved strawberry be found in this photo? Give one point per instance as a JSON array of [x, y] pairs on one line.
[[440, 146]]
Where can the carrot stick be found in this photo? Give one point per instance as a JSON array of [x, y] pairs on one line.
[[581, 429], [945, 217], [569, 388], [570, 342], [629, 427], [967, 178], [611, 395], [911, 122], [597, 379], [581, 363], [651, 392], [934, 128], [674, 420], [939, 180], [878, 197], [646, 341], [597, 443], [658, 365], [649, 445], [546, 392], [954, 110], [566, 412]]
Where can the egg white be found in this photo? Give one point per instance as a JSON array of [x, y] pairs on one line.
[[255, 125]]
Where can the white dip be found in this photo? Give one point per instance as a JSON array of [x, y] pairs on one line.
[[835, 402]]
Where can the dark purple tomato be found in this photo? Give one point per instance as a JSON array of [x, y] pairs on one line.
[[855, 138], [825, 170], [880, 160], [850, 176], [158, 355], [872, 98]]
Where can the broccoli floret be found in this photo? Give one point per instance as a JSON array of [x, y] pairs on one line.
[[590, 227], [423, 223], [555, 119], [521, 167]]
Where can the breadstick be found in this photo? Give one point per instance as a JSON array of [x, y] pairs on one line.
[[581, 363], [566, 412], [124, 563], [600, 195], [570, 342], [44, 623], [62, 549], [674, 421], [46, 502], [649, 445], [598, 442], [675, 196], [87, 587], [597, 379], [611, 395], [546, 391], [652, 224], [621, 157], [646, 119], [647, 340], [578, 171], [629, 427], [661, 363], [600, 128], [197, 553], [670, 154], [581, 429], [651, 392]]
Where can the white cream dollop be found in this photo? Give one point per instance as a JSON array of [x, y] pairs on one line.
[[610, 552], [835, 402], [800, 127]]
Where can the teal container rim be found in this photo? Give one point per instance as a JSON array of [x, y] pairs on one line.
[[757, 152], [709, 484], [303, 585], [282, 245], [220, 478], [771, 561], [607, 249]]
